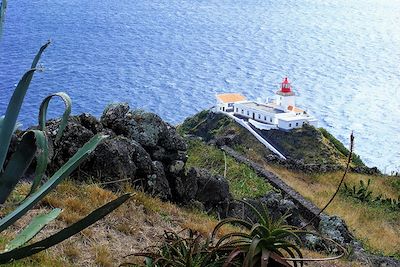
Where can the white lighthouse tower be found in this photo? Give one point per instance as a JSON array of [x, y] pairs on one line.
[[285, 97]]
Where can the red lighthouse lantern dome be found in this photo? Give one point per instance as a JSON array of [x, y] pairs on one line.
[[285, 86]]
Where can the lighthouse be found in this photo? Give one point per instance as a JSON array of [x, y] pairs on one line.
[[285, 97]]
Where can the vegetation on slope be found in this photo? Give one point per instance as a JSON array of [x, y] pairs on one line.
[[307, 144], [133, 227], [377, 226], [243, 181], [136, 225]]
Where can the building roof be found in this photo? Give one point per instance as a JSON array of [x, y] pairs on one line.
[[230, 98], [294, 109], [262, 107]]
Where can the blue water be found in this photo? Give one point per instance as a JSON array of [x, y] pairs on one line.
[[172, 56]]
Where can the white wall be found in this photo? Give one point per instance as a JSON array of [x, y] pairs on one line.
[[285, 101], [291, 124], [259, 115]]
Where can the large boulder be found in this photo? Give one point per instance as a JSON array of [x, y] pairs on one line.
[[117, 118], [159, 138], [74, 137], [157, 182], [335, 228], [113, 159], [212, 190], [200, 185]]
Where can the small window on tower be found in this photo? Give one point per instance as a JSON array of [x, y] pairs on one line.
[[290, 125]]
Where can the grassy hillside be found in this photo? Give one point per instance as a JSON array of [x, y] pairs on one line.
[[307, 144], [133, 227], [136, 225], [243, 181], [377, 226]]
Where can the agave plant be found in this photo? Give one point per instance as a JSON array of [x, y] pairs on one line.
[[34, 144], [260, 243], [175, 251]]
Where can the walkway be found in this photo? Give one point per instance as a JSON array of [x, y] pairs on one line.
[[249, 127]]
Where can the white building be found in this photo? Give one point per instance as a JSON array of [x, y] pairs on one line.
[[280, 113]]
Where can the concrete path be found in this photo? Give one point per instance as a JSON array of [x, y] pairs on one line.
[[247, 125]]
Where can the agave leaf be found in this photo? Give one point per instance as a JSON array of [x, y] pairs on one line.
[[39, 54], [3, 7], [252, 252], [32, 229], [62, 173], [41, 159], [241, 222], [18, 125], [64, 119], [256, 212], [14, 107], [18, 164], [65, 233], [230, 235], [231, 257]]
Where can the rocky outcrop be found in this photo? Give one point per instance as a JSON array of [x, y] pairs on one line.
[[140, 148]]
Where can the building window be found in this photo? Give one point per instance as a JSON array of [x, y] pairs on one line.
[[248, 113], [290, 125], [242, 111], [297, 124], [237, 109], [259, 116], [265, 118], [270, 120]]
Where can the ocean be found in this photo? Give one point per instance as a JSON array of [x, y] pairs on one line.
[[172, 56]]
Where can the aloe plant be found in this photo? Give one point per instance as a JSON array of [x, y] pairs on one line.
[[178, 251], [263, 241], [33, 144]]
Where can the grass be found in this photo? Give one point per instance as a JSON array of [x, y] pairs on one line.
[[377, 228], [243, 181], [133, 227], [340, 147], [137, 224]]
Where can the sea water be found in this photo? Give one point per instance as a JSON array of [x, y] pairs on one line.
[[172, 56]]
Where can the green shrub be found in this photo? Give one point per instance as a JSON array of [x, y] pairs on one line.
[[341, 148], [364, 195]]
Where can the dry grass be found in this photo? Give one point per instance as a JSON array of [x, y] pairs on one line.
[[136, 225], [377, 228], [133, 227]]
